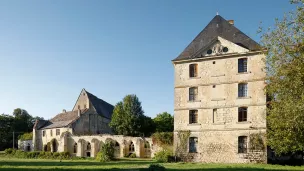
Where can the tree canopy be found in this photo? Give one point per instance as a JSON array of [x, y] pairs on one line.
[[128, 118], [164, 122], [285, 81]]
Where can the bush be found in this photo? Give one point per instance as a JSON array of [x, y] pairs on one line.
[[31, 155], [156, 167], [133, 155], [8, 151], [26, 136], [162, 138], [106, 152], [163, 156]]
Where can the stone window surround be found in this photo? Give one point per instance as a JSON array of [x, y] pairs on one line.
[[193, 70]]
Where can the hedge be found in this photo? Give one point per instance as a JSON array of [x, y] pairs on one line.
[[36, 154]]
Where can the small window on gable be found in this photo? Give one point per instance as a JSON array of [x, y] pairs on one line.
[[242, 114], [193, 115], [242, 65], [242, 90], [193, 70], [242, 144], [193, 142], [193, 93]]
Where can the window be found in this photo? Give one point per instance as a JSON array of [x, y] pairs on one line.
[[214, 115], [242, 65], [43, 133], [89, 146], [57, 131], [193, 116], [131, 147], [242, 90], [242, 114], [85, 106], [75, 148], [193, 144], [242, 144], [193, 70], [51, 132], [193, 93], [213, 62], [213, 86]]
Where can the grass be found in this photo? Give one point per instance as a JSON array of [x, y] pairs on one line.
[[12, 164]]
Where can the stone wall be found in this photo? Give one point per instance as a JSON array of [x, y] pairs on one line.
[[26, 145], [217, 84]]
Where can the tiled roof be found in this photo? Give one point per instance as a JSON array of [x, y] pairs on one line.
[[218, 26], [63, 119], [102, 107]]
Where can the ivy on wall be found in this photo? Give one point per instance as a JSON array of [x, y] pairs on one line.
[[181, 149]]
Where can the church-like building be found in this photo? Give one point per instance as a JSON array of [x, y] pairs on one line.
[[82, 131], [219, 95]]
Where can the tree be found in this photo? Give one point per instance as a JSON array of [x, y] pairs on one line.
[[128, 117], [285, 81], [163, 122]]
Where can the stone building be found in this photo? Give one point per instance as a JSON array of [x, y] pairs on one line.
[[82, 131], [219, 94]]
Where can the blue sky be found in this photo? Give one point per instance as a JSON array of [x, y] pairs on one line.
[[50, 50]]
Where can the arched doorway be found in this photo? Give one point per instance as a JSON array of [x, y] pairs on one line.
[[88, 149], [147, 150], [75, 148], [28, 147], [54, 144]]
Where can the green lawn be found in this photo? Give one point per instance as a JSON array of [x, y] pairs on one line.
[[10, 164]]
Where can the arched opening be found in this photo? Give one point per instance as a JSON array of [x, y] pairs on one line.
[[116, 149], [88, 149], [45, 148], [75, 148], [131, 147], [147, 149], [28, 147], [54, 145]]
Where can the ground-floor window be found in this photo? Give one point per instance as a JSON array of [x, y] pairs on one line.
[[242, 144], [193, 141]]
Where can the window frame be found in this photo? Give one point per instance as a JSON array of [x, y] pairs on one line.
[[57, 132], [193, 144], [242, 114], [242, 65], [193, 94], [242, 144], [193, 116], [193, 70], [243, 90]]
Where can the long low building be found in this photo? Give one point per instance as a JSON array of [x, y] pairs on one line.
[[82, 131]]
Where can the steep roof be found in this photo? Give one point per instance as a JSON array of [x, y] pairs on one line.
[[102, 107], [63, 119], [218, 26]]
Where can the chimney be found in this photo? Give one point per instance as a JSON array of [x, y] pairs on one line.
[[79, 112], [231, 22], [63, 111]]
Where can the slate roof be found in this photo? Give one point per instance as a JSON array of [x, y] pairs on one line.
[[63, 119], [218, 26], [102, 107]]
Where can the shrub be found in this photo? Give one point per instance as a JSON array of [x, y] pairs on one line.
[[156, 167], [133, 155], [26, 136], [8, 151], [163, 156], [31, 155], [162, 138], [106, 152]]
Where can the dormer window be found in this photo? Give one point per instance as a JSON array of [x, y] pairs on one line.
[[193, 70]]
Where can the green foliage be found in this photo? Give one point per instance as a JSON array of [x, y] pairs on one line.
[[163, 156], [164, 122], [162, 138], [156, 167], [182, 144], [36, 154], [285, 80], [257, 142], [133, 155], [128, 118], [26, 136], [106, 152]]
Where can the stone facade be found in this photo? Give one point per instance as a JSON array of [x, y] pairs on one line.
[[217, 128], [82, 131]]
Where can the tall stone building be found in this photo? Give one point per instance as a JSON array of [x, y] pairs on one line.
[[219, 95]]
